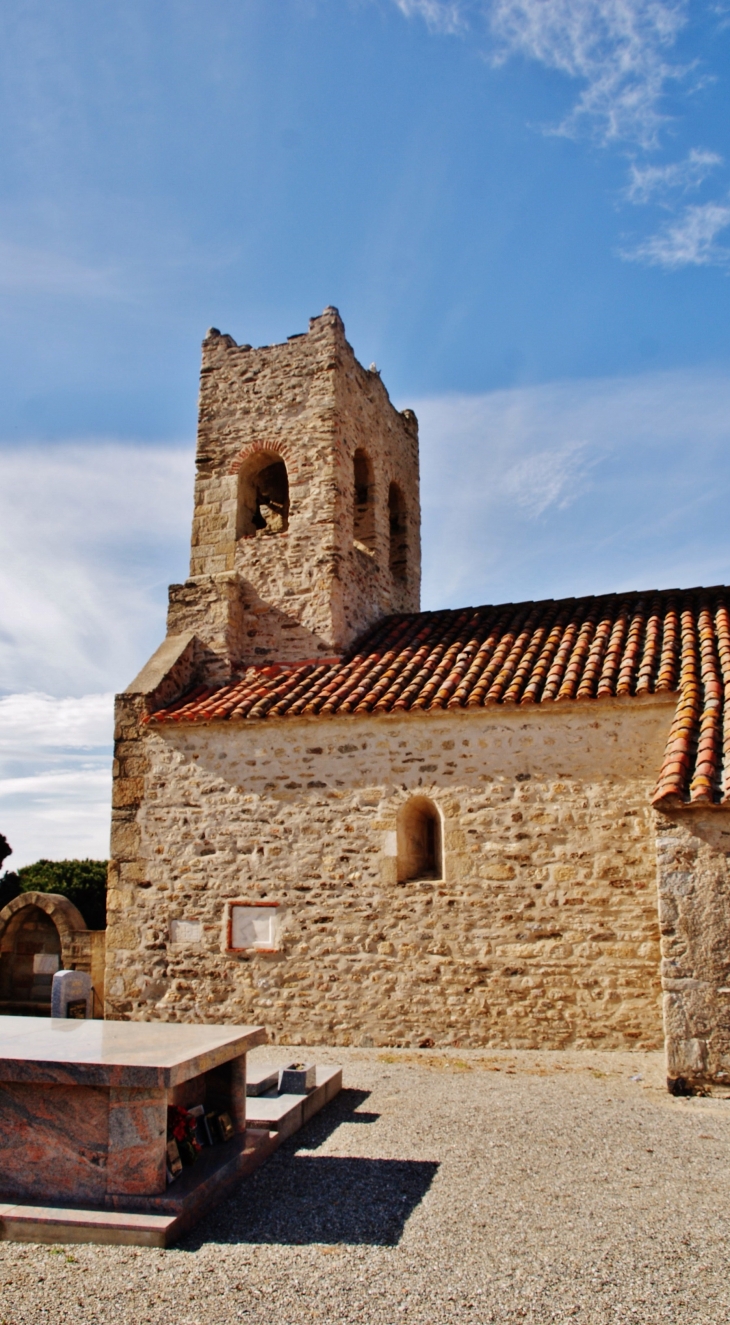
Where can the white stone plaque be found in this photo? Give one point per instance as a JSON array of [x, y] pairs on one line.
[[253, 926], [186, 931], [46, 963], [390, 844]]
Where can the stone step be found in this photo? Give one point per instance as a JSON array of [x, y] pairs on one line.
[[261, 1077], [58, 1224], [285, 1114]]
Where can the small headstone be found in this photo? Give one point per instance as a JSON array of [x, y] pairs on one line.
[[298, 1079], [71, 994]]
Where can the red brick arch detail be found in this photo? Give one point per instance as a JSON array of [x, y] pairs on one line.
[[282, 449]]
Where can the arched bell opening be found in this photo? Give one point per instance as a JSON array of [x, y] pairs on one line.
[[263, 496], [364, 504]]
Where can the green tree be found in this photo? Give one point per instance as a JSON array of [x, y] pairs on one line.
[[9, 882], [82, 881], [9, 887]]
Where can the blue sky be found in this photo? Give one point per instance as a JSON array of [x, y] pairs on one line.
[[521, 209]]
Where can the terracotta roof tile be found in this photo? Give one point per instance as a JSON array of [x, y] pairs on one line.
[[579, 649]]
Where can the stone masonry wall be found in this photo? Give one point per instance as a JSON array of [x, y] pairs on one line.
[[694, 909], [176, 665], [542, 932], [310, 590]]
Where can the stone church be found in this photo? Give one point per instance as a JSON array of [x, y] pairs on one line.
[[365, 824]]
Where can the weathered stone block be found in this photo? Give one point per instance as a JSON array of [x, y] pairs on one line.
[[127, 791]]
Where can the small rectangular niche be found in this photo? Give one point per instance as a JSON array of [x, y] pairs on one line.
[[253, 927]]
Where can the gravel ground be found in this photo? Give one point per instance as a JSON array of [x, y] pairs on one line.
[[440, 1187]]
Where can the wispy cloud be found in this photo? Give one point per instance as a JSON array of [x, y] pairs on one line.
[[688, 241], [440, 15], [47, 272], [620, 55], [649, 182], [524, 491], [555, 477], [57, 816], [89, 538], [616, 48]]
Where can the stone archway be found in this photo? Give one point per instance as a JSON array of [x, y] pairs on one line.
[[39, 934]]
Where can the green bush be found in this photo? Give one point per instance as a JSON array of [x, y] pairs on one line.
[[82, 881]]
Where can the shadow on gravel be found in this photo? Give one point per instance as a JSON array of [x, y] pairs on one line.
[[296, 1199], [344, 1108]]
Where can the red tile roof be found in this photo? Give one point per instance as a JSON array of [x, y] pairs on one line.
[[616, 645]]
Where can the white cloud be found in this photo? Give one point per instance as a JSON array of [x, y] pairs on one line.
[[575, 487], [40, 722], [90, 536], [57, 816], [55, 776], [688, 241], [616, 48], [648, 182]]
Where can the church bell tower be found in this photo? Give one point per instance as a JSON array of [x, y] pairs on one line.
[[306, 529]]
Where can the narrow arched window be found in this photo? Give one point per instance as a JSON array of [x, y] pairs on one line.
[[398, 535], [263, 496], [418, 834], [364, 504]]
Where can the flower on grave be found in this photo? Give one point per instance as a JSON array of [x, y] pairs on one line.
[[181, 1126]]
